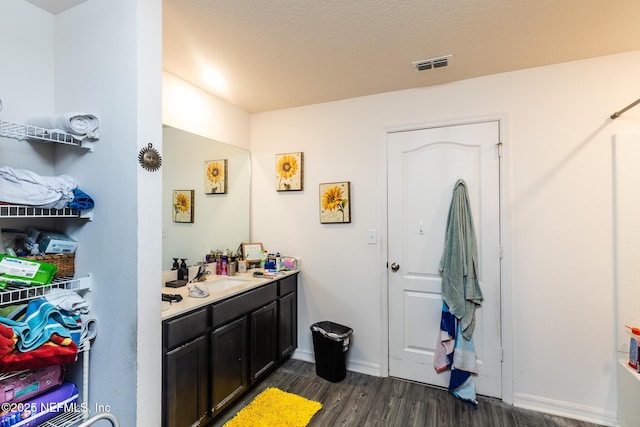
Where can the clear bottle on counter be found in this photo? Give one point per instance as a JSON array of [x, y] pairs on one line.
[[242, 265]]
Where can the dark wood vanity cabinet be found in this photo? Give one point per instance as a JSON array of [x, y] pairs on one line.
[[213, 355], [287, 316], [264, 340], [229, 354], [185, 370]]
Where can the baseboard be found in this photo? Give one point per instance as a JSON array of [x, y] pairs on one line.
[[564, 409], [352, 365]]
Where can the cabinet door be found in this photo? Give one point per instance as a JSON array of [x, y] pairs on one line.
[[264, 340], [229, 363], [185, 385], [288, 324]]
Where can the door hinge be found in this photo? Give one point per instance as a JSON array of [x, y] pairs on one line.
[[500, 252], [499, 145], [501, 354]]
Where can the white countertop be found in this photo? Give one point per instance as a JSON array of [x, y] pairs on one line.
[[220, 287]]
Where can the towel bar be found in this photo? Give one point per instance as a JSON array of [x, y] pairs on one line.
[[104, 416]]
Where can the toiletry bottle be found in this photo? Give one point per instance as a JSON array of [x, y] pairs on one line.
[[263, 259], [242, 265], [278, 262], [175, 264], [183, 271], [225, 261]]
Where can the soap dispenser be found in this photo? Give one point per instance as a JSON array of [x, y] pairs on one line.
[[183, 271], [175, 264]]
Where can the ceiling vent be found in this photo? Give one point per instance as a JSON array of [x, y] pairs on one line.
[[432, 63]]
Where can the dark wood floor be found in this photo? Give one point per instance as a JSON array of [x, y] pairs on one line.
[[363, 400]]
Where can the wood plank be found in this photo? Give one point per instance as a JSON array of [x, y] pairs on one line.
[[365, 401]]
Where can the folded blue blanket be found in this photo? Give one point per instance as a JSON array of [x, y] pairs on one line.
[[81, 200]]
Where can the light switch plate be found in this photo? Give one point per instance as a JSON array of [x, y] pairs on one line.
[[372, 237]]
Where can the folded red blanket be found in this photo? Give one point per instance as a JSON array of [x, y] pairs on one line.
[[57, 351]]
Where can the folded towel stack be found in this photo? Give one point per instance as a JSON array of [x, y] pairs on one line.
[[78, 125], [24, 187]]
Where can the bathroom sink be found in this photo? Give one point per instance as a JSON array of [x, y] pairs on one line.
[[224, 284]]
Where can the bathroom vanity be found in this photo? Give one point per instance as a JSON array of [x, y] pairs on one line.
[[217, 347]]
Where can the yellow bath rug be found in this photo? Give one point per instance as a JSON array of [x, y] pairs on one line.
[[276, 408]]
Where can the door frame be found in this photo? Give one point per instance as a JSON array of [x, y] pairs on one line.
[[506, 314]]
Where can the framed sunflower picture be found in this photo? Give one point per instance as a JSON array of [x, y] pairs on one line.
[[335, 202], [289, 172], [215, 176], [183, 205]]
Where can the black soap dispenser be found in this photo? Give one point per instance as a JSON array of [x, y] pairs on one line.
[[183, 271], [175, 264]]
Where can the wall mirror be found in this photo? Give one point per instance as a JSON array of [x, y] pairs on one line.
[[220, 220]]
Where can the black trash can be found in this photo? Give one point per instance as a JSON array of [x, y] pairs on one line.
[[330, 346]]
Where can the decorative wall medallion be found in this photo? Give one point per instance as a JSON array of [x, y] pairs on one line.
[[149, 158]]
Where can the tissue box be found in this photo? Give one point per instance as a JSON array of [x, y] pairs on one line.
[[53, 242], [290, 263]]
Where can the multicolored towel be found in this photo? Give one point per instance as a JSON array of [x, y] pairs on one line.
[[461, 297], [57, 351], [41, 320], [457, 355]]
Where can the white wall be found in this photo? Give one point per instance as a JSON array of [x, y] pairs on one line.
[[76, 61], [117, 75], [26, 90], [558, 267], [189, 108]]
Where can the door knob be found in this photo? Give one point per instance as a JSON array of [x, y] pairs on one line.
[[395, 266]]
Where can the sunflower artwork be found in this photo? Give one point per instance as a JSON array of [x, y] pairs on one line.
[[335, 203], [183, 205], [289, 172], [215, 176]]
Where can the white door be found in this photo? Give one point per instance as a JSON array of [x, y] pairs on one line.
[[423, 167]]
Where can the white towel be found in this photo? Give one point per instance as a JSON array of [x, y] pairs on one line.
[[89, 328], [67, 300], [78, 125], [23, 187]]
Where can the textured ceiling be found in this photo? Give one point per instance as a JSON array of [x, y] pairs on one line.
[[275, 54]]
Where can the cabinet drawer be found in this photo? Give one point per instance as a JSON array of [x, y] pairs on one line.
[[242, 304], [287, 285], [185, 328]]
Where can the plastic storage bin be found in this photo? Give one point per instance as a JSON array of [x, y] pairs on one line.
[[330, 346]]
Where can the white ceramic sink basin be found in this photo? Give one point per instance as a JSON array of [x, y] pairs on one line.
[[224, 284]]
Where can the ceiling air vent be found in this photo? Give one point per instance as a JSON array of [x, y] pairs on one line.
[[432, 63]]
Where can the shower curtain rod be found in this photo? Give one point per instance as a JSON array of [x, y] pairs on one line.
[[618, 113]]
